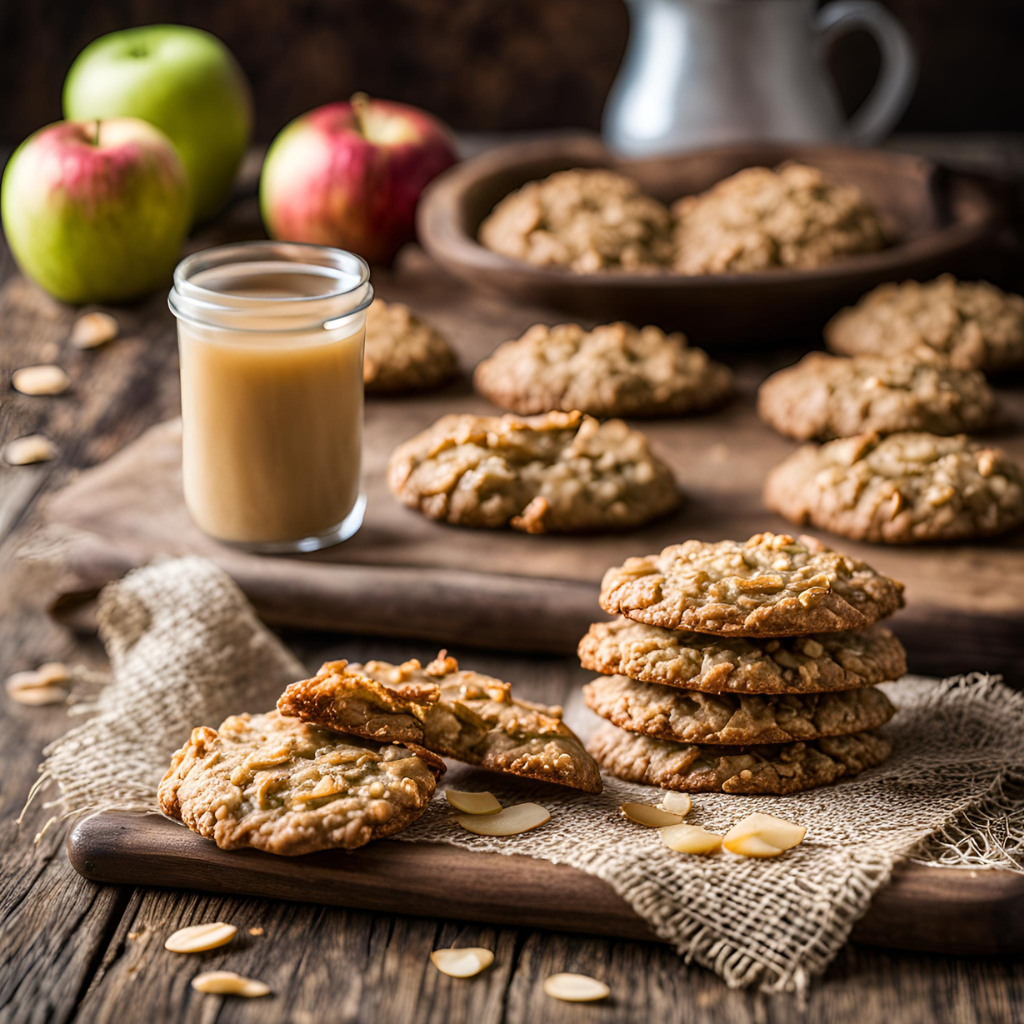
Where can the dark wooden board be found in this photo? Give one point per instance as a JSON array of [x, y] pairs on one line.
[[933, 218], [403, 575], [943, 910]]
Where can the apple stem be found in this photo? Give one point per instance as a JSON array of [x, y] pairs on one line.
[[96, 137], [360, 101]]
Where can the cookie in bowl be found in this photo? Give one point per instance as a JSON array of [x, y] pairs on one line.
[[974, 324], [762, 219], [900, 489], [824, 397], [612, 370], [556, 473], [581, 220], [402, 353]]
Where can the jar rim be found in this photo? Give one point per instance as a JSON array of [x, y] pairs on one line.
[[189, 301]]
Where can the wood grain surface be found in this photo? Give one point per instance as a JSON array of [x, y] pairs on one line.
[[72, 950], [944, 910]]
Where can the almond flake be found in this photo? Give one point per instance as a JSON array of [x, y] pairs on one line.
[[227, 983], [37, 695], [29, 449], [93, 330], [510, 821], [690, 839], [462, 963], [649, 815], [255, 931], [199, 937], [45, 379], [472, 803], [676, 803], [762, 835], [575, 988]]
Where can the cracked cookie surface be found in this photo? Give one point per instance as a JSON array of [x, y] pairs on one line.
[[976, 325], [774, 769], [557, 473], [277, 784], [402, 353], [584, 220], [900, 489], [824, 397], [760, 219], [687, 716], [771, 585], [714, 664], [613, 370], [452, 712]]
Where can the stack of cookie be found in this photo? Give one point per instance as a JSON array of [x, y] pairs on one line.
[[893, 407], [742, 667]]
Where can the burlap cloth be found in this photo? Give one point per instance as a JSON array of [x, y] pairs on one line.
[[186, 649]]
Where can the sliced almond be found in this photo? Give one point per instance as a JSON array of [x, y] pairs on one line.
[[576, 988], [510, 821], [690, 839], [227, 983], [29, 449], [462, 963], [45, 379], [93, 330], [199, 937], [676, 803], [774, 832], [37, 695], [649, 815], [255, 931], [52, 672], [472, 803]]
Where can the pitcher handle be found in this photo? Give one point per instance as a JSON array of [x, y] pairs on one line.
[[898, 75]]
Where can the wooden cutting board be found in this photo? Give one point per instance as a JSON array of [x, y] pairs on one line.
[[403, 575], [942, 910]]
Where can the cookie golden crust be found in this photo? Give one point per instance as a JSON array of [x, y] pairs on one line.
[[824, 397], [686, 716], [557, 473], [772, 585], [402, 353], [452, 712], [760, 219], [276, 784], [900, 489], [774, 769], [825, 662], [613, 370], [583, 220], [974, 324]]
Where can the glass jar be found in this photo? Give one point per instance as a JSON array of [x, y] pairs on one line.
[[271, 342]]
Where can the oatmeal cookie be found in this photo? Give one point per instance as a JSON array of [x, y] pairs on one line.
[[613, 370], [774, 769], [899, 489], [714, 664], [403, 353], [974, 324], [668, 713], [824, 397], [557, 473], [760, 219], [585, 220], [772, 585], [453, 712], [278, 785]]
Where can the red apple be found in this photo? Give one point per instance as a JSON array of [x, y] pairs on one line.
[[350, 175]]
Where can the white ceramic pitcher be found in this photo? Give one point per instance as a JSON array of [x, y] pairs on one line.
[[706, 72]]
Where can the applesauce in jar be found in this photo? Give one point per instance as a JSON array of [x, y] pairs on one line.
[[271, 342]]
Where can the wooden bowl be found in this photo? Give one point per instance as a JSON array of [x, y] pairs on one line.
[[935, 216]]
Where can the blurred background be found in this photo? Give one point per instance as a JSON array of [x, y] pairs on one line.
[[489, 65]]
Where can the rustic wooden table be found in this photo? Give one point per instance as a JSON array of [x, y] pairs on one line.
[[72, 950]]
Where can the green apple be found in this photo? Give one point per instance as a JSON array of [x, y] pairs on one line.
[[183, 80], [96, 211]]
